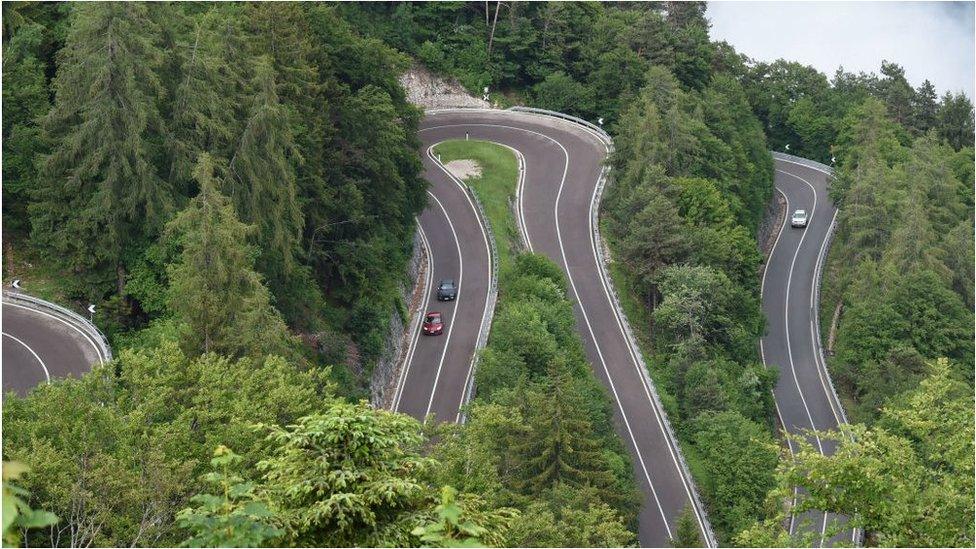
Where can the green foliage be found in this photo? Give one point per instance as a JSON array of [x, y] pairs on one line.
[[539, 435], [800, 107], [455, 526], [213, 287], [235, 517], [99, 190], [131, 439], [349, 476], [907, 481], [687, 533], [905, 284], [693, 180], [308, 130], [17, 514], [740, 457]]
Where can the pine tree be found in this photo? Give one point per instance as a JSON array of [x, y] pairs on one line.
[[561, 446], [263, 176], [99, 189], [686, 532], [214, 289]]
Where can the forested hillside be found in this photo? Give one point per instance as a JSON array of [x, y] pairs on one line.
[[900, 276], [692, 179], [235, 187], [582, 58], [306, 131]]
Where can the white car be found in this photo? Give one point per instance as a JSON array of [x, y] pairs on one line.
[[799, 219]]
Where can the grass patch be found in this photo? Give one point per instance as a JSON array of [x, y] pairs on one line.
[[495, 187], [38, 276]]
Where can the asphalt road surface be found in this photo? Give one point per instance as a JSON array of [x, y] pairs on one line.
[[803, 395], [563, 163], [438, 369], [38, 346]]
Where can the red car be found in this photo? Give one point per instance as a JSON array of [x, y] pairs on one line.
[[433, 325]]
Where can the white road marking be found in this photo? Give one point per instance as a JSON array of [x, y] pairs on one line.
[[450, 329], [593, 336], [484, 235], [47, 375], [98, 351], [854, 535], [416, 334]]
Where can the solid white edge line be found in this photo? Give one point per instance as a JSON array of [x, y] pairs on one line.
[[854, 535], [457, 302], [645, 379], [786, 322], [592, 335], [484, 234], [47, 374], [428, 284], [762, 350], [98, 352]]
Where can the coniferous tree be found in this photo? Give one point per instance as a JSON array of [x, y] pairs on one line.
[[99, 190], [207, 103], [686, 532], [561, 446], [956, 120], [925, 107], [214, 289], [25, 100], [262, 176]]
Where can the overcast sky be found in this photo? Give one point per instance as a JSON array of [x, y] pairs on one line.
[[933, 40]]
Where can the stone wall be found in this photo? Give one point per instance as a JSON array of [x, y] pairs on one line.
[[386, 373]]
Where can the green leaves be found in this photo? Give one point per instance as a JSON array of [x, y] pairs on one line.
[[234, 518], [17, 513], [907, 481]]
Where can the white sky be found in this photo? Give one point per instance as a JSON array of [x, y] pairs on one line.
[[934, 40]]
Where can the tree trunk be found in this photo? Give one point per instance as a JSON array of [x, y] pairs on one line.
[[494, 22]]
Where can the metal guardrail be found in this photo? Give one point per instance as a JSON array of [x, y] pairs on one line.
[[818, 274], [803, 161], [606, 137], [600, 246], [817, 283], [489, 316], [67, 315]]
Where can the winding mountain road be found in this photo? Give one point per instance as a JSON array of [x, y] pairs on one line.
[[556, 206], [39, 345], [804, 395]]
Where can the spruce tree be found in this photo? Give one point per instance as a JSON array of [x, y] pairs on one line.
[[214, 289], [208, 103], [686, 532], [561, 446], [99, 190], [263, 176]]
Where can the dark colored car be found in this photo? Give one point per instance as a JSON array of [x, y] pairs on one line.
[[433, 325], [446, 290]]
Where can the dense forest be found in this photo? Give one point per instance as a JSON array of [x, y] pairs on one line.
[[305, 130], [235, 185]]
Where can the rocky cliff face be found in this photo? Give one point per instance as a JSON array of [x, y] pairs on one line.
[[429, 91], [386, 373]]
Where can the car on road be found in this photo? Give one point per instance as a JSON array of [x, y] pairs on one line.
[[799, 219], [433, 324], [446, 290]]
